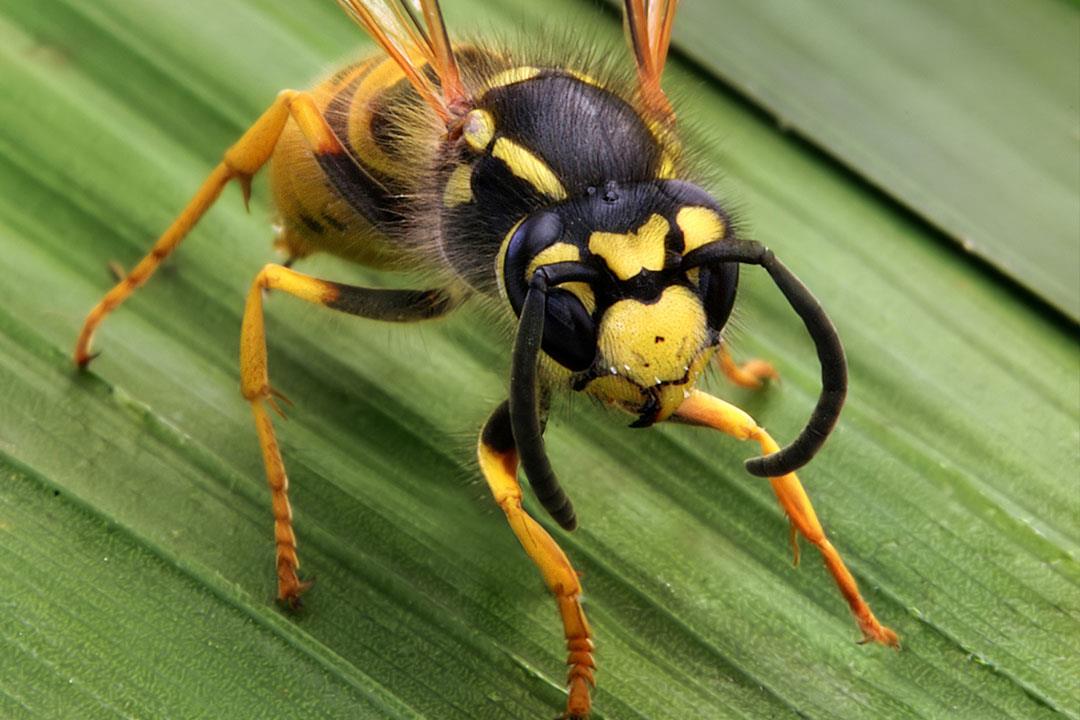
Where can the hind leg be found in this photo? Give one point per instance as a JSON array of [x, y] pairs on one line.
[[241, 162]]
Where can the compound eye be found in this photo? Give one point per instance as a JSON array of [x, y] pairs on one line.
[[537, 233], [569, 331], [717, 288]]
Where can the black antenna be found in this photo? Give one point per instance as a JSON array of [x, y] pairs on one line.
[[524, 407], [829, 350]]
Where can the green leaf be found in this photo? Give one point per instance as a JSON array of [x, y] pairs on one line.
[[964, 112], [135, 533]]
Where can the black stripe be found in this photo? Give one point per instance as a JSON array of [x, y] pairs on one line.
[[334, 222], [366, 191], [312, 224]]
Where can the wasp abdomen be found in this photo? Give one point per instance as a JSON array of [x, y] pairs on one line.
[[357, 205]]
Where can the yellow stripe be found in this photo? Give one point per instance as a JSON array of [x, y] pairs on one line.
[[627, 254], [667, 166], [513, 75], [500, 259], [381, 78], [529, 167], [670, 148], [458, 190], [587, 79]]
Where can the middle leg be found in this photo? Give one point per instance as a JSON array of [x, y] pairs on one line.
[[751, 374], [390, 305]]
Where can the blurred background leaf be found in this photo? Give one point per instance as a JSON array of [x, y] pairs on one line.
[[966, 113], [134, 521]]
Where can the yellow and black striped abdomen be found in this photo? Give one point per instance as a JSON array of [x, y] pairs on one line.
[[357, 205]]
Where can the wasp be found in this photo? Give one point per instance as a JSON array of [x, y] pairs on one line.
[[556, 189]]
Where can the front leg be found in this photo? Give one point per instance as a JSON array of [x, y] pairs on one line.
[[704, 409], [498, 462]]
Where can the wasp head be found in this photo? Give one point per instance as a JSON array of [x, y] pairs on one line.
[[632, 322]]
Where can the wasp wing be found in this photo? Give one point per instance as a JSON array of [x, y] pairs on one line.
[[648, 28], [412, 32]]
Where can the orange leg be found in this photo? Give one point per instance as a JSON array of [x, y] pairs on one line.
[[390, 305], [751, 374], [241, 162], [499, 462], [708, 411]]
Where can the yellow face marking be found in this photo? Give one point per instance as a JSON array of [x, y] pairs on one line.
[[628, 254], [529, 167], [657, 341], [617, 390], [478, 129], [514, 75], [699, 226], [648, 345], [458, 190], [564, 252]]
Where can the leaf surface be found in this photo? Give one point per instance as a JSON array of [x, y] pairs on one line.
[[134, 523], [967, 113]]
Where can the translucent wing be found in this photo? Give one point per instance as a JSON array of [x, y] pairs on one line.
[[413, 34], [648, 26]]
